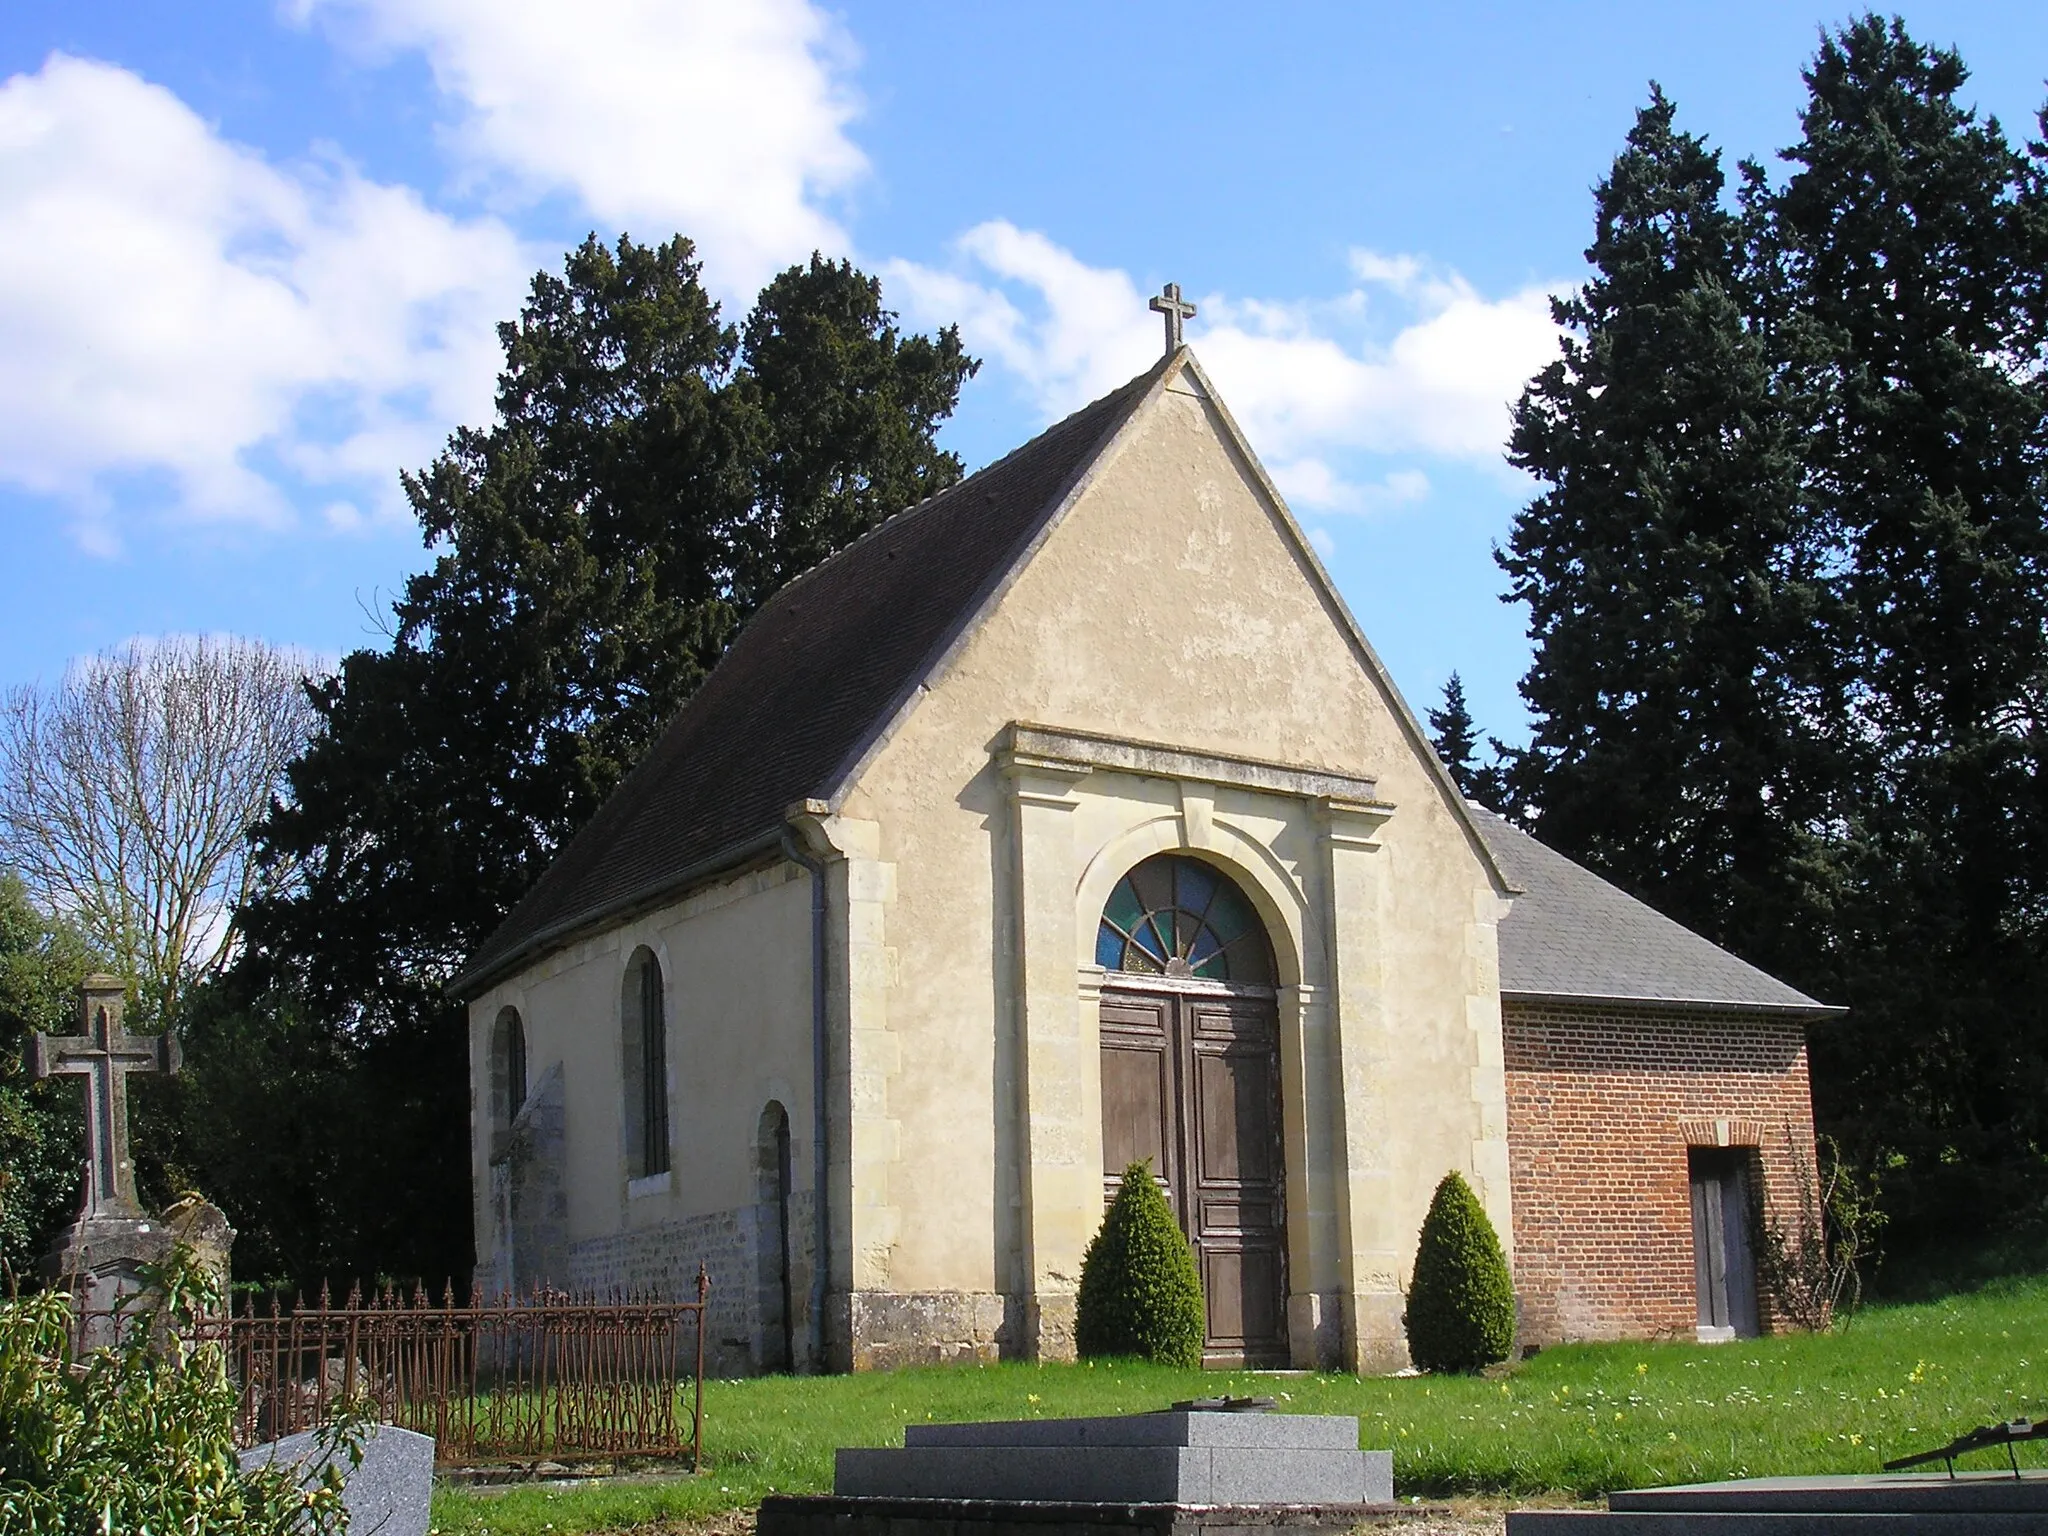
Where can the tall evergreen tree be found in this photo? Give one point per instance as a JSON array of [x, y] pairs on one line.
[[1456, 739], [1453, 735], [652, 475], [1914, 237], [1671, 590], [1788, 582]]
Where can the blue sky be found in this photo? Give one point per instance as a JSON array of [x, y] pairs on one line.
[[251, 254]]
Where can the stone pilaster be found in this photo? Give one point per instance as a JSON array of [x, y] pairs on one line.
[[1309, 1068], [1059, 1144], [864, 1141], [1370, 1245]]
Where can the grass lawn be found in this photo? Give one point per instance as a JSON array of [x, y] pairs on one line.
[[1581, 1420]]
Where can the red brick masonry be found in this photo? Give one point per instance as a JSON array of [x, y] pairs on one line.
[[1603, 1101]]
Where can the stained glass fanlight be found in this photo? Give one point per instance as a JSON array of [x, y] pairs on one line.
[[1176, 916]]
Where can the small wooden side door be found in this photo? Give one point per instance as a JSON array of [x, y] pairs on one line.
[[1724, 1265]]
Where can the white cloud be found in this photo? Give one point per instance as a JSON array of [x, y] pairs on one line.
[[726, 121], [1313, 484], [1088, 329], [176, 311], [1310, 381]]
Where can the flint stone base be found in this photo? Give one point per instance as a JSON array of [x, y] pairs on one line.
[[1930, 1504], [831, 1515], [1235, 1459], [390, 1494]]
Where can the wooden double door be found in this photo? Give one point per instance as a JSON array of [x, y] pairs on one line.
[[1191, 1081]]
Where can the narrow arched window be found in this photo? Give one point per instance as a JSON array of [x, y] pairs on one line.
[[1176, 916], [644, 1039], [508, 1067]]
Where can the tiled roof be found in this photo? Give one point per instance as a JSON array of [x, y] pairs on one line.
[[1571, 934], [802, 691]]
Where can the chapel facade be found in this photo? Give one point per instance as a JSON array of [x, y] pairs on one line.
[[1066, 820]]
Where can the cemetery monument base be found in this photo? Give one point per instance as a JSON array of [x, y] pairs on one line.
[[1170, 1474]]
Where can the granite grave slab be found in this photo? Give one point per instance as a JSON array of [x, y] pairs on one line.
[[1151, 1458], [389, 1494]]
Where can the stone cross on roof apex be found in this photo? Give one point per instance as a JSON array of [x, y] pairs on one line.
[[1175, 309]]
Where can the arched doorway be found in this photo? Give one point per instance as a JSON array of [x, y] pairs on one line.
[[1191, 1081]]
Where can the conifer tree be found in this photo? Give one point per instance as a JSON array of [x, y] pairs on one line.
[[1671, 591], [1914, 238], [1788, 584], [1456, 740], [1452, 734], [652, 475], [1140, 1294], [1460, 1314]]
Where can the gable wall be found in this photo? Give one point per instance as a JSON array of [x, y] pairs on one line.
[[1603, 1102], [1169, 606]]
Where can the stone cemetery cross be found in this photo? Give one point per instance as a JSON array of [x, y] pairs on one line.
[[104, 1056], [1176, 309]]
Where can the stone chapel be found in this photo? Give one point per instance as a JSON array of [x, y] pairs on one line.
[[1066, 819]]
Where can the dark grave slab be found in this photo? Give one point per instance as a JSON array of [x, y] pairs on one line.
[[1968, 1504]]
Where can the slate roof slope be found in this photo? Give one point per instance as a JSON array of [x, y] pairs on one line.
[[1571, 934], [799, 693]]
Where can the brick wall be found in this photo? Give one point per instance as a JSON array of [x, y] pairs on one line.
[[1603, 1102]]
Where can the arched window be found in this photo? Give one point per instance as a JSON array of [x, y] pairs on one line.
[[1176, 916], [772, 1179], [644, 1041], [508, 1067]]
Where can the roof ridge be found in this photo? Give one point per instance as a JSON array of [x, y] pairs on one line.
[[924, 503]]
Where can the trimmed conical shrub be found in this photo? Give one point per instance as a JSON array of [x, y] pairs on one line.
[[1461, 1304], [1140, 1294]]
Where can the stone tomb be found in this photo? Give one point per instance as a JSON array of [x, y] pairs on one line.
[[1181, 1470], [1926, 1503]]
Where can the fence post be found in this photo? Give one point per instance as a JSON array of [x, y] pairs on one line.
[[697, 1417]]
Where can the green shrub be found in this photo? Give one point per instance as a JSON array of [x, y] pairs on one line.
[[140, 1436], [1461, 1304], [1140, 1294]]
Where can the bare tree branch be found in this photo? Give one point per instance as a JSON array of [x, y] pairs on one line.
[[127, 793]]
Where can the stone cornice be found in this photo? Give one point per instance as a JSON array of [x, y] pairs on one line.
[[1044, 748]]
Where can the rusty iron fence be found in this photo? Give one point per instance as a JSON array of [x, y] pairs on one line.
[[543, 1376]]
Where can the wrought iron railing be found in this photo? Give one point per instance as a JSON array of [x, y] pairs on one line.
[[542, 1376]]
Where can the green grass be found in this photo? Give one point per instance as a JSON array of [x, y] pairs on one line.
[[1581, 1420]]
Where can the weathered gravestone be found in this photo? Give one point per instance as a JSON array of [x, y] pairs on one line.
[[1175, 1473], [389, 1493], [102, 1255]]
